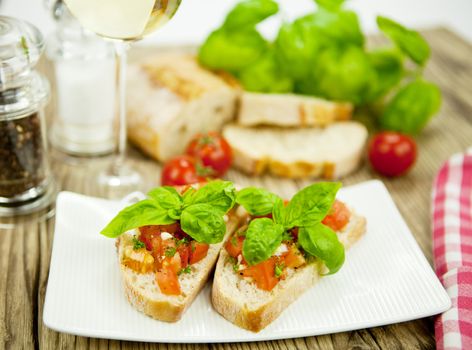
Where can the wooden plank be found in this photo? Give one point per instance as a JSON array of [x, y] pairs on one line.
[[25, 249]]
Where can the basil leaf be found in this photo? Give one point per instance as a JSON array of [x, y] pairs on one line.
[[409, 41], [256, 201], [279, 212], [263, 237], [203, 223], [310, 205], [266, 75], [388, 67], [232, 51], [221, 195], [143, 213], [249, 13], [297, 46], [167, 197], [412, 107], [332, 5], [323, 243], [187, 197], [337, 27], [342, 74]]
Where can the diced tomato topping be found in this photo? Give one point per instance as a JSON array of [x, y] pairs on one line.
[[171, 255], [263, 274], [338, 216], [168, 281], [293, 258], [184, 252], [167, 275], [234, 245], [198, 251]]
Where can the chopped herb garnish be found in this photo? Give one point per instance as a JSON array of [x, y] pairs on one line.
[[137, 244], [234, 241], [234, 263], [279, 269], [236, 267], [181, 242], [170, 252], [185, 270], [287, 236], [192, 247]]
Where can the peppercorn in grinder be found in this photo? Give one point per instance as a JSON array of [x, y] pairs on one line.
[[26, 183]]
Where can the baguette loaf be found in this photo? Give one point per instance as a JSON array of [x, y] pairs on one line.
[[170, 99], [242, 303], [143, 292], [290, 110], [328, 153]]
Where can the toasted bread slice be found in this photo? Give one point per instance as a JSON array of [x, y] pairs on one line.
[[242, 303], [143, 292], [330, 152], [290, 110]]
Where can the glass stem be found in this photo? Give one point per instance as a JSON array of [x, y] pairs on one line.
[[121, 50]]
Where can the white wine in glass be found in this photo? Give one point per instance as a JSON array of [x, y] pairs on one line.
[[122, 21]]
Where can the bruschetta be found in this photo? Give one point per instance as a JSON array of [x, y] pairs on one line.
[[281, 251], [168, 245]]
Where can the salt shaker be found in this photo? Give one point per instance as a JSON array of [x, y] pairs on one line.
[[25, 179], [83, 82]]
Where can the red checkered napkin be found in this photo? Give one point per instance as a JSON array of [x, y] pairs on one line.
[[452, 247]]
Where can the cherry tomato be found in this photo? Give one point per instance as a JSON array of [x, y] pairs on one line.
[[391, 153], [213, 150], [338, 216], [181, 170]]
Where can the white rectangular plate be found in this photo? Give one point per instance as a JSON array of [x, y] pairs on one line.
[[386, 279]]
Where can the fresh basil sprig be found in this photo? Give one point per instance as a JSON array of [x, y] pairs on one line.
[[323, 54], [200, 212], [306, 210]]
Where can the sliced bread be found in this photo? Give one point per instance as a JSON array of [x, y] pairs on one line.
[[242, 303], [329, 153], [144, 293], [170, 99], [290, 110]]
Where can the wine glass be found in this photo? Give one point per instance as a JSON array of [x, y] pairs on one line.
[[122, 21]]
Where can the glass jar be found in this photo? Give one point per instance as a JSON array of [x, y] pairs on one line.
[[25, 178], [82, 64]]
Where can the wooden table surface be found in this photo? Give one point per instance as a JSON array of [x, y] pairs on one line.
[[25, 245]]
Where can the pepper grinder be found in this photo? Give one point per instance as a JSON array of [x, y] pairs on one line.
[[26, 184]]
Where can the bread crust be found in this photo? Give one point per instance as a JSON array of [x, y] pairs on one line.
[[255, 319], [169, 308], [290, 110], [326, 167]]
